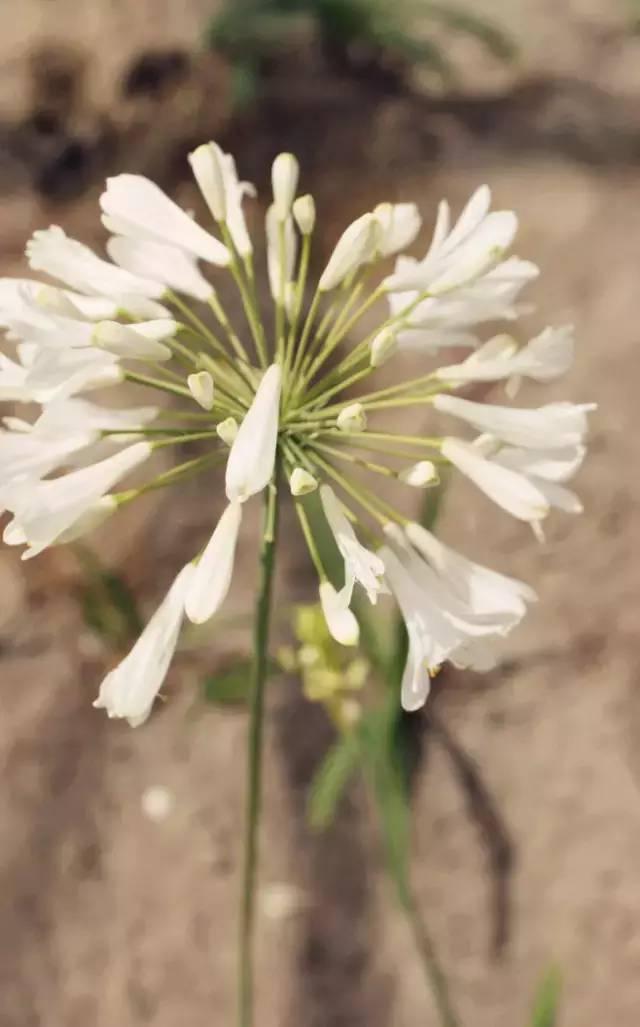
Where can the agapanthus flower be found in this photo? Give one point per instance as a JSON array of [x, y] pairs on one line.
[[288, 401]]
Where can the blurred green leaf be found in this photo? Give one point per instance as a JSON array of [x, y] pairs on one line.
[[546, 1004], [331, 779], [231, 686], [460, 19], [108, 605]]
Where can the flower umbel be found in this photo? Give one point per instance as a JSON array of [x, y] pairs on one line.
[[255, 399]]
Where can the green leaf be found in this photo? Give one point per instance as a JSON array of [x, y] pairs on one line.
[[232, 685], [546, 1004], [331, 779], [229, 687], [108, 604]]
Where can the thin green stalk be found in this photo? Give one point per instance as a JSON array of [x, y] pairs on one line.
[[254, 759], [156, 383]]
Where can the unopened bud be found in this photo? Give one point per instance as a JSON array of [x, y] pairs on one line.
[[382, 347], [356, 246], [352, 418], [301, 482], [227, 430], [284, 180], [207, 163], [201, 388], [420, 475], [304, 212]]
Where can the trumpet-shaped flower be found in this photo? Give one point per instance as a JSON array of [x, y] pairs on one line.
[[554, 426], [360, 564], [137, 208], [129, 690]]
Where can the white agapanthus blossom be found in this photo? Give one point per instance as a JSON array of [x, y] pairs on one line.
[[271, 404]]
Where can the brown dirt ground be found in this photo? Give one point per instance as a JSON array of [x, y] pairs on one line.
[[110, 919]]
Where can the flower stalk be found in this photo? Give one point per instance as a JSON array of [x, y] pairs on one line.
[[255, 757]]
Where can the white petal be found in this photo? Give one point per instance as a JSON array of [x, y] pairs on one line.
[[281, 252], [253, 452], [169, 265], [512, 491], [552, 465], [341, 622], [130, 689], [70, 261], [148, 213], [399, 225], [128, 342], [304, 213], [554, 426], [360, 563], [355, 247], [207, 164], [212, 576]]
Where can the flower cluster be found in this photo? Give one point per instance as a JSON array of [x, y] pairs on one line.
[[269, 403]]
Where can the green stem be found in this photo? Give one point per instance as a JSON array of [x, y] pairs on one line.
[[254, 763]]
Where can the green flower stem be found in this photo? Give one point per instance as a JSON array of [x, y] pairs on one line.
[[376, 507], [303, 271], [336, 337], [412, 440], [367, 465], [188, 437], [221, 314], [179, 473], [254, 761], [156, 383], [304, 338], [249, 301]]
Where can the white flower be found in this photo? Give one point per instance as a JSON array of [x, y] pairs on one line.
[[253, 452], [356, 246], [281, 252], [13, 382], [169, 265], [360, 564], [341, 622], [14, 291], [215, 172], [75, 264], [211, 579], [449, 320], [399, 225], [137, 208], [201, 387], [45, 510], [546, 470], [304, 213], [553, 426], [544, 358], [130, 689], [476, 243], [509, 489], [284, 181], [484, 591]]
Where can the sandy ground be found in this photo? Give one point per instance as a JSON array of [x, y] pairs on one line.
[[109, 918]]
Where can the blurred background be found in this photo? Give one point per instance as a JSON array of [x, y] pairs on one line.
[[119, 850]]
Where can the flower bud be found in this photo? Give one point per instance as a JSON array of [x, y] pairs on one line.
[[341, 622], [419, 475], [201, 388], [304, 212], [207, 166], [382, 347], [284, 180], [356, 245], [352, 418], [227, 430], [126, 342], [301, 482]]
